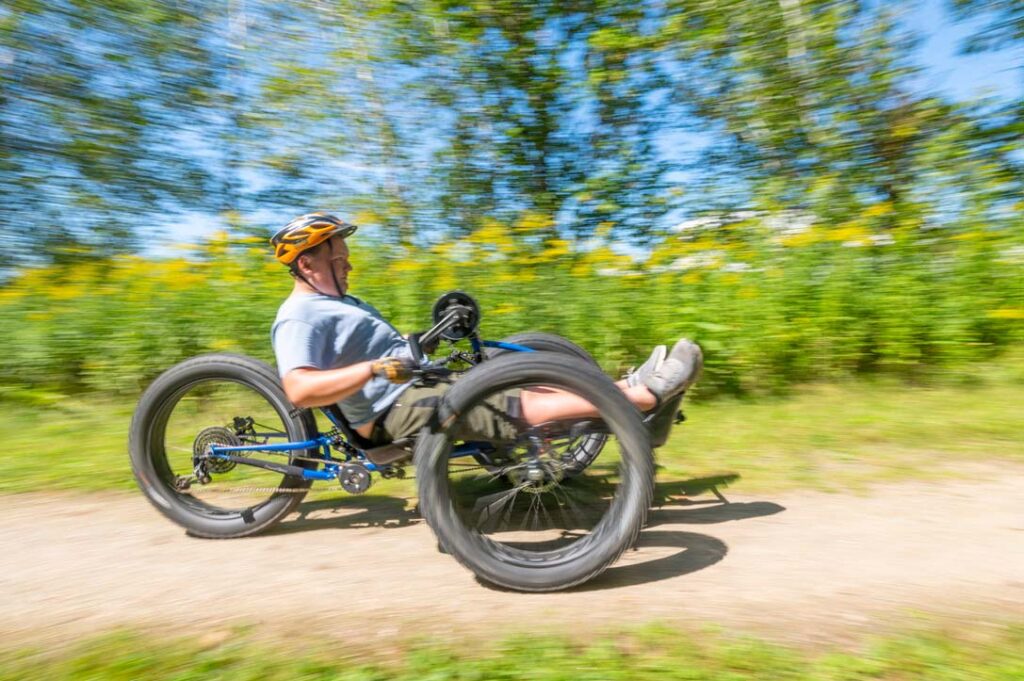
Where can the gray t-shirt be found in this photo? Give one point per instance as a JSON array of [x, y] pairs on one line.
[[322, 332]]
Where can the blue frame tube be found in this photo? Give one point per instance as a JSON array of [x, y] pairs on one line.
[[467, 449], [324, 443], [507, 346], [283, 447]]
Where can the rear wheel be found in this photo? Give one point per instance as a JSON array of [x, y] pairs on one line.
[[531, 525], [227, 400]]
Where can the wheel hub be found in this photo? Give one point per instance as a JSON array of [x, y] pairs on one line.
[[537, 476]]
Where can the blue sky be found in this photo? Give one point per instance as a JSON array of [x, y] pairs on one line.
[[960, 77]]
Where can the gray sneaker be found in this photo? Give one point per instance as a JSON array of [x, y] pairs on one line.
[[678, 372], [653, 363]]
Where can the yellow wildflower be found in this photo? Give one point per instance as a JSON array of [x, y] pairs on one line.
[[800, 239], [556, 248], [506, 308], [1006, 313], [878, 209], [405, 265], [848, 231], [532, 221]]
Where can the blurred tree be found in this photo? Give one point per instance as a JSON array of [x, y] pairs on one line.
[[555, 110], [1005, 22], [817, 103], [335, 103], [437, 116], [1004, 28], [490, 110], [95, 100], [118, 115]]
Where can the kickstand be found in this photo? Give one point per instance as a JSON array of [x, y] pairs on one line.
[[714, 490]]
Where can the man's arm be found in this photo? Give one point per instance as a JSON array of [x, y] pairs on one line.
[[308, 387]]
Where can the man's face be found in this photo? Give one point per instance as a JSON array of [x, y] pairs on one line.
[[338, 256], [332, 257]]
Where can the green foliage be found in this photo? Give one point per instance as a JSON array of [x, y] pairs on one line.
[[771, 305], [657, 652], [834, 437]]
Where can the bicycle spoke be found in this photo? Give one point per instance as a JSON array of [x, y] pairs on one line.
[[575, 511], [208, 414], [485, 507]]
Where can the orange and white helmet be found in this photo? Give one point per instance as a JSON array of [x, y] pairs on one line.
[[305, 232]]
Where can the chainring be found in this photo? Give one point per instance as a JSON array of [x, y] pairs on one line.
[[354, 478]]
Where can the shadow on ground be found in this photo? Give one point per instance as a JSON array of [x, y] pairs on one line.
[[674, 502], [696, 551], [349, 513]]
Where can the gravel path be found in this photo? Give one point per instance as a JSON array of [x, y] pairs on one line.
[[798, 566]]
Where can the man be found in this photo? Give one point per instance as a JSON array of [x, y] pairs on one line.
[[334, 348]]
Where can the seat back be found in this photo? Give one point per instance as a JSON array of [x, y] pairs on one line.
[[338, 419]]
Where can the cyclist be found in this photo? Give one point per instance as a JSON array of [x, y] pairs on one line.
[[332, 347]]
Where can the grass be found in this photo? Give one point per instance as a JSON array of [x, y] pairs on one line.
[[838, 436], [654, 652], [829, 437]]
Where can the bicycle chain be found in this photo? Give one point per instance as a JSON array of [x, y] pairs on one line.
[[317, 460]]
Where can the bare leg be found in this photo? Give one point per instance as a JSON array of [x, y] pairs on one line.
[[550, 404]]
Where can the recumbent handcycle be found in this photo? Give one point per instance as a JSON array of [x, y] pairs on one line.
[[217, 447]]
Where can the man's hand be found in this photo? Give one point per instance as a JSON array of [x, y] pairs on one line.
[[395, 369]]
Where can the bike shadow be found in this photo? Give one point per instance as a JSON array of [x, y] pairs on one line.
[[674, 506], [696, 552], [349, 513]]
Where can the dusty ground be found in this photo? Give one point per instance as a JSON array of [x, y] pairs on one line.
[[809, 567]]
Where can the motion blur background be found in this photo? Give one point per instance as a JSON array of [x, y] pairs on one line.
[[826, 194], [809, 188]]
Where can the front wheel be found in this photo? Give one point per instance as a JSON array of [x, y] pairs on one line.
[[226, 400], [531, 526]]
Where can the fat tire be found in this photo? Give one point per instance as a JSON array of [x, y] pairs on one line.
[[618, 529], [150, 466]]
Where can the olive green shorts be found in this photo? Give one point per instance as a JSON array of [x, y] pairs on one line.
[[497, 419]]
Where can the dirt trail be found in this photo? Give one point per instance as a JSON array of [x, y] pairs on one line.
[[807, 566]]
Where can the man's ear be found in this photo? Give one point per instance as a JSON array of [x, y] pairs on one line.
[[302, 265]]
